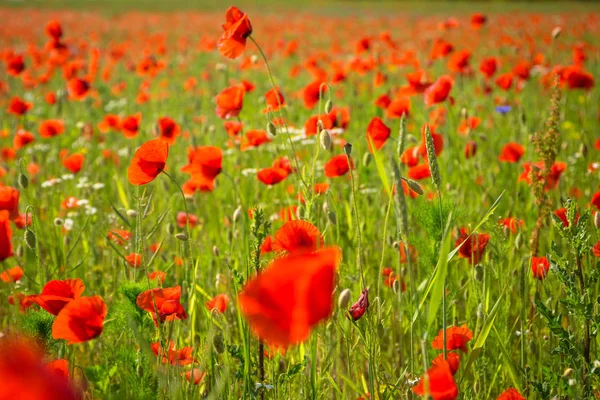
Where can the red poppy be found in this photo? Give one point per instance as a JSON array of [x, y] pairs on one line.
[[274, 99], [562, 214], [512, 152], [439, 91], [377, 133], [22, 139], [596, 249], [468, 124], [78, 88], [504, 81], [551, 177], [51, 128], [174, 357], [130, 125], [230, 102], [478, 20], [576, 77], [358, 309], [12, 274], [398, 107], [419, 172], [233, 127], [254, 138], [522, 69], [291, 296], [57, 294], [195, 376], [15, 65], [283, 163], [440, 383], [148, 161], [183, 220], [59, 367], [511, 223], [297, 236], [167, 303], [119, 236], [5, 236], [470, 149], [459, 61], [488, 66], [74, 162], [383, 101], [595, 200], [110, 121], [311, 125], [9, 200], [237, 28], [473, 246], [457, 337], [158, 275], [80, 320], [19, 107], [219, 303], [205, 164], [321, 188], [54, 30], [168, 130], [312, 93], [539, 267], [338, 166], [452, 358], [511, 394], [271, 176], [134, 259]]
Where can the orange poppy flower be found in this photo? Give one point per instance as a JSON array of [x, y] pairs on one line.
[[297, 235], [134, 259], [168, 130], [551, 177], [274, 99], [504, 81], [473, 246], [167, 303], [80, 320], [418, 172], [233, 127], [321, 188], [398, 107], [19, 107], [12, 274], [576, 77], [110, 121], [148, 161], [237, 28], [439, 91], [15, 65], [292, 296], [78, 88], [511, 223], [230, 102], [22, 139], [254, 138], [452, 358], [562, 214], [54, 30], [596, 249], [596, 200], [512, 152], [511, 394], [440, 383], [383, 101], [9, 200], [51, 128], [478, 20], [488, 66], [205, 164], [119, 236], [130, 125], [172, 356], [338, 166], [59, 367], [74, 162], [183, 220], [195, 376], [283, 163], [271, 175], [57, 294], [377, 133], [457, 337], [540, 267], [311, 94], [6, 250], [459, 61], [158, 275], [219, 303]]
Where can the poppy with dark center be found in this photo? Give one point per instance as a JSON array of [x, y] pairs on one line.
[[359, 308], [473, 245], [205, 164], [296, 236], [540, 267], [148, 161], [22, 139], [230, 102], [440, 383], [271, 175], [9, 200], [237, 28], [168, 130], [218, 303], [6, 249], [57, 294], [78, 88], [439, 91], [512, 152], [338, 166], [167, 303], [291, 296], [130, 125], [15, 65], [312, 92], [377, 133], [51, 128], [452, 358], [459, 61], [80, 320], [19, 107], [457, 337]]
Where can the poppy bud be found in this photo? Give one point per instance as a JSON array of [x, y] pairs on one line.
[[359, 308], [320, 126], [218, 343], [328, 106], [344, 298], [464, 113], [170, 229], [237, 214], [332, 217], [518, 241], [23, 181], [29, 238], [568, 372], [271, 129], [254, 59], [348, 149], [556, 32], [414, 186], [478, 273], [19, 251], [215, 251], [58, 221], [132, 213], [366, 159], [300, 212], [583, 150], [597, 220], [325, 139], [182, 236]]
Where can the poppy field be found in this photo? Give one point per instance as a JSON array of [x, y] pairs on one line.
[[263, 203]]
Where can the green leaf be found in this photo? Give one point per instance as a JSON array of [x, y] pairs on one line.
[[508, 363], [121, 192], [380, 168], [121, 216]]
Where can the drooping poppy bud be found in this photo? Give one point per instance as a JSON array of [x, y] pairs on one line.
[[359, 308]]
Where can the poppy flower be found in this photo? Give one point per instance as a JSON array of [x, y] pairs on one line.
[[595, 200], [596, 249], [51, 128], [459, 61], [440, 383], [148, 161], [12, 274], [78, 88], [254, 138], [311, 125], [488, 66], [9, 200], [6, 250], [505, 81], [134, 259], [439, 91], [15, 65], [576, 78], [468, 124], [338, 166], [321, 188], [168, 130], [194, 376], [473, 246], [358, 309], [562, 214], [183, 220], [511, 394], [522, 70], [478, 20], [219, 303], [57, 294], [283, 163], [470, 149], [290, 297], [271, 176], [22, 139], [167, 303], [539, 267], [233, 127], [410, 157], [19, 107], [80, 320], [398, 107], [274, 99], [377, 133], [511, 223], [158, 275], [457, 337], [59, 367], [230, 102], [419, 172], [237, 28], [74, 162], [130, 125], [311, 94], [110, 121], [383, 101], [296, 236], [452, 358], [54, 29], [551, 177], [174, 357], [205, 164], [512, 152], [24, 374], [119, 236]]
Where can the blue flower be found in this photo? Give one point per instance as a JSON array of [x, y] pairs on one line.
[[503, 109]]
